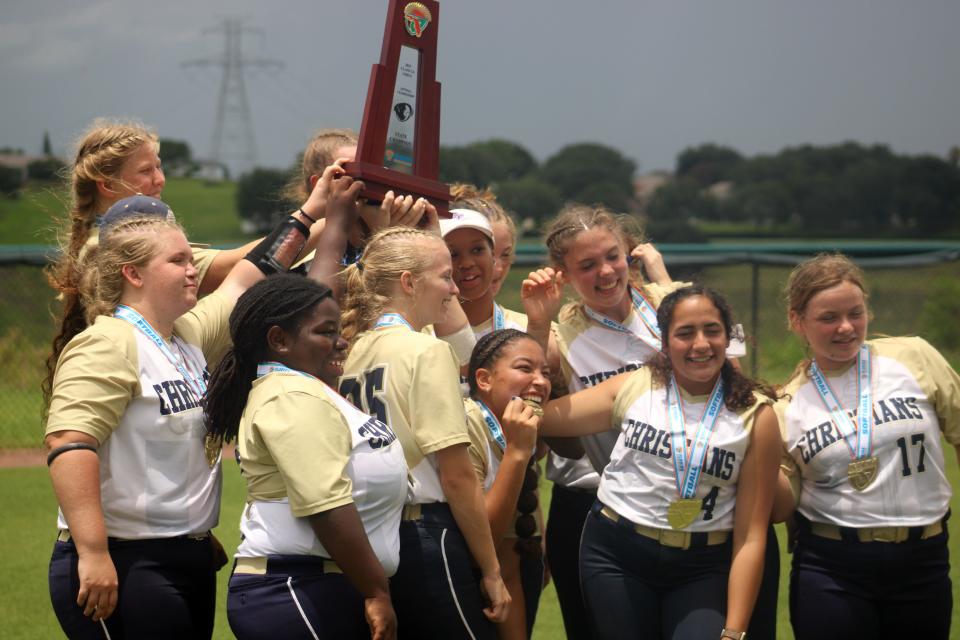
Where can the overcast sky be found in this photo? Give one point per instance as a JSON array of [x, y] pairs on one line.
[[648, 78]]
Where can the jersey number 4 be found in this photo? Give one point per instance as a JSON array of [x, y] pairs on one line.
[[365, 392]]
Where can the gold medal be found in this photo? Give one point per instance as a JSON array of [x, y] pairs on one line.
[[211, 449], [683, 513], [863, 472], [537, 408]]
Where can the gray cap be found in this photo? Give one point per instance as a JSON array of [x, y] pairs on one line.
[[138, 205]]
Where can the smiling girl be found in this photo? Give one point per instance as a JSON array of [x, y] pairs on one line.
[[325, 482], [674, 546], [862, 422], [480, 236], [509, 381], [409, 381], [611, 328], [138, 489]]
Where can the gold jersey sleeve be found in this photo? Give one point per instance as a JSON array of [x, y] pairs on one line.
[[203, 257], [207, 326], [477, 430], [787, 464], [413, 378], [655, 293], [934, 375], [295, 444], [434, 399], [96, 377], [638, 382]]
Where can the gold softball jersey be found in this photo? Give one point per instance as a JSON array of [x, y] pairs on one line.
[[304, 450], [408, 380], [113, 383], [486, 456], [591, 352], [640, 482], [915, 396], [203, 255], [510, 320]]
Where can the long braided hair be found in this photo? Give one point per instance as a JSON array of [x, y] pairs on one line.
[[737, 388], [486, 353], [282, 300], [101, 153]]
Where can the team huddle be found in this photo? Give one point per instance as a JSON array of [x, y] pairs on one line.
[[391, 422]]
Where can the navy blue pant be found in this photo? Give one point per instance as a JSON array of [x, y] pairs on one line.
[[568, 511], [636, 588], [850, 590], [763, 622], [295, 599], [531, 579], [436, 590], [167, 589]]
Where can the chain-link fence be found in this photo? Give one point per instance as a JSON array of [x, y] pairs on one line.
[[917, 293]]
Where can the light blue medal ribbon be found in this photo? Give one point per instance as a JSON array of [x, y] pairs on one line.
[[647, 314], [863, 430], [192, 378], [391, 320], [687, 472], [498, 320], [265, 368], [646, 311], [493, 425]]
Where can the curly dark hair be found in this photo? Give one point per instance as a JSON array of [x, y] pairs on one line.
[[282, 300], [737, 388]]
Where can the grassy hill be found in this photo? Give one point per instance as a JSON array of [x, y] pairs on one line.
[[207, 210]]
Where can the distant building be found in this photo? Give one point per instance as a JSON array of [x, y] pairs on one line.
[[646, 185], [18, 161]]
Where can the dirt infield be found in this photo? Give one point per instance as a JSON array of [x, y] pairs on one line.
[[15, 458]]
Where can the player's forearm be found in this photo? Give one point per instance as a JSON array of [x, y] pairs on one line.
[[746, 572], [465, 497], [456, 319], [221, 266], [341, 533], [326, 266], [501, 499]]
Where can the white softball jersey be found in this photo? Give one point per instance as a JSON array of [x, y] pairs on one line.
[[591, 353], [304, 450], [640, 483], [113, 383], [916, 398]]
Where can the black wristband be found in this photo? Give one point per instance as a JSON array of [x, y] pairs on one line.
[[73, 446], [279, 250], [307, 216]]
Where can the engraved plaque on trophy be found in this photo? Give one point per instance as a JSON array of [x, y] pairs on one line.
[[399, 146]]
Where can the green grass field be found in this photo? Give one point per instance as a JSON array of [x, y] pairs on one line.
[[900, 299], [29, 527]]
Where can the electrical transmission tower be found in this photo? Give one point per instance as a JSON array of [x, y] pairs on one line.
[[233, 142]]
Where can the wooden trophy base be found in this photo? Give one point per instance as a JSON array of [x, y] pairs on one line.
[[378, 180]]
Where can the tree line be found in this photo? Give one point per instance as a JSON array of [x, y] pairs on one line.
[[846, 189]]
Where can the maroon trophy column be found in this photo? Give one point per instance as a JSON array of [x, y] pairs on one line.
[[399, 146]]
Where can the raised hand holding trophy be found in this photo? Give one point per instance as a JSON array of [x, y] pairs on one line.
[[399, 146]]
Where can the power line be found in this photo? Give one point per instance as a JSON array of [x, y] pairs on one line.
[[233, 144]]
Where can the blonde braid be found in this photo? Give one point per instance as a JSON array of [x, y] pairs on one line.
[[102, 151], [370, 283]]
